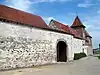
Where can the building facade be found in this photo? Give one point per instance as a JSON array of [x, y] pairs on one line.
[[26, 40]]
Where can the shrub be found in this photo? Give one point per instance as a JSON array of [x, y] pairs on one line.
[[79, 55], [98, 57]]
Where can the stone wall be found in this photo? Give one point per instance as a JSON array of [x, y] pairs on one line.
[[23, 46], [24, 52], [77, 45]]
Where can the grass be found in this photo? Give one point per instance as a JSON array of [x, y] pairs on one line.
[[98, 52]]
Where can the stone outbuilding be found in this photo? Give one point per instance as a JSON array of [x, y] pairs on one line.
[[26, 40]]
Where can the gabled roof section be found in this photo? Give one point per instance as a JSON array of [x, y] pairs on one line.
[[62, 27], [19, 16], [87, 34], [77, 23], [75, 33], [67, 29]]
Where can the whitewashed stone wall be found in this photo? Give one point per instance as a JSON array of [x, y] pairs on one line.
[[22, 46], [89, 50], [77, 45], [85, 49]]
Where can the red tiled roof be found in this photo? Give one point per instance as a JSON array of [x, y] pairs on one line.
[[87, 34], [21, 17], [66, 29], [75, 33], [30, 19], [77, 22], [62, 27]]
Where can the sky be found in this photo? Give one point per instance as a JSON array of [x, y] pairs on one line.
[[65, 12]]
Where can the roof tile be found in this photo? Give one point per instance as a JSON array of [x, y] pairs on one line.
[[77, 22], [67, 29], [15, 15], [62, 27], [87, 34]]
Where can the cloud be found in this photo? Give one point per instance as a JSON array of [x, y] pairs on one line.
[[27, 5], [48, 19], [24, 5], [96, 38], [98, 11], [42, 1], [85, 4], [93, 26], [93, 22]]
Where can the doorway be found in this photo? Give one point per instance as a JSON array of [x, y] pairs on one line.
[[61, 51]]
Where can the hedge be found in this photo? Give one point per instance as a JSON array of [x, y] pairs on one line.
[[79, 55], [98, 57]]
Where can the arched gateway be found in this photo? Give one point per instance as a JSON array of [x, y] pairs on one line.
[[61, 51]]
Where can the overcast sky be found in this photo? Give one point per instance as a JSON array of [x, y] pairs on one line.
[[64, 11]]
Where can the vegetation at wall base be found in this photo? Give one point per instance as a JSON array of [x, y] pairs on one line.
[[98, 57], [77, 56], [96, 52]]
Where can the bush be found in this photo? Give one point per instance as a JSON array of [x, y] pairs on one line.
[[97, 52], [98, 57], [79, 55]]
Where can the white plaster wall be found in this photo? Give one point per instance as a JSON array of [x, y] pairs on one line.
[[85, 49], [89, 50], [22, 46], [77, 45]]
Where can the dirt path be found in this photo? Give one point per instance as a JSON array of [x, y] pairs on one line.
[[85, 66]]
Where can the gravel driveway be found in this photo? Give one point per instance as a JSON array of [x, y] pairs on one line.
[[86, 66]]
